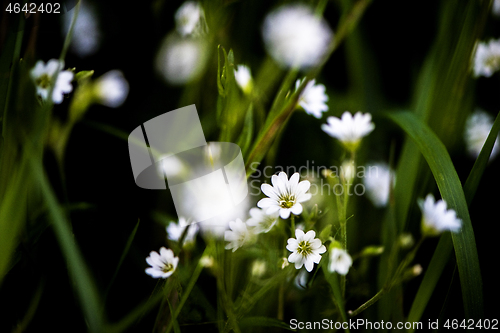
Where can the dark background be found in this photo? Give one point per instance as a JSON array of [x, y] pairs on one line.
[[399, 35]]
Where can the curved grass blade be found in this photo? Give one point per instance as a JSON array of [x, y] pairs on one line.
[[450, 188], [443, 250], [80, 274]]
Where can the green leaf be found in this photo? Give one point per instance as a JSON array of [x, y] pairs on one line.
[[80, 274], [84, 75], [451, 191], [246, 135], [443, 250]]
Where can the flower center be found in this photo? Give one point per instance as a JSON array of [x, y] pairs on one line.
[[304, 248], [493, 62], [43, 81], [287, 201], [168, 268]]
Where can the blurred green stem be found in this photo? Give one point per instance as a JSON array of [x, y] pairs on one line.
[[391, 282], [15, 60]]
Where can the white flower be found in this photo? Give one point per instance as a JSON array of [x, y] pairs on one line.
[[43, 75], [163, 264], [243, 78], [175, 230], [477, 128], [258, 268], [487, 58], [181, 60], [86, 34], [436, 218], [349, 130], [285, 195], [496, 8], [313, 98], [306, 250], [378, 181], [340, 261], [238, 235], [261, 221], [207, 261], [112, 88], [189, 18], [294, 36]]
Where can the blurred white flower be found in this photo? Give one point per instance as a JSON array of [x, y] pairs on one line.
[[436, 218], [294, 36], [487, 58], [86, 34], [378, 181], [261, 221], [477, 128], [189, 19], [306, 250], [348, 171], [258, 268], [340, 261], [313, 98], [163, 264], [349, 130], [207, 261], [496, 8], [284, 263], [181, 60], [285, 195], [244, 78], [112, 88], [43, 75], [239, 235], [175, 230]]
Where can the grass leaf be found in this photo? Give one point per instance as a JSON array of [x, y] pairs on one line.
[[451, 191]]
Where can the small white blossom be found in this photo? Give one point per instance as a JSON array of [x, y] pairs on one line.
[[496, 8], [378, 181], [258, 268], [163, 264], [340, 261], [239, 235], [284, 263], [261, 221], [86, 37], [285, 196], [43, 75], [189, 18], [294, 36], [181, 60], [487, 58], [348, 129], [243, 78], [175, 230], [436, 218], [313, 98], [306, 250], [477, 128], [207, 261], [112, 88]]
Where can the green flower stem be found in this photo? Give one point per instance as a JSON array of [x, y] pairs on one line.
[[292, 224], [397, 278], [185, 293]]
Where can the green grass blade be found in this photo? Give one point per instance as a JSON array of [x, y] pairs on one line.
[[250, 322], [450, 188], [80, 274], [431, 277], [443, 250]]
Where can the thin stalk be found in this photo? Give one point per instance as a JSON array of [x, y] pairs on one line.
[[391, 282]]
